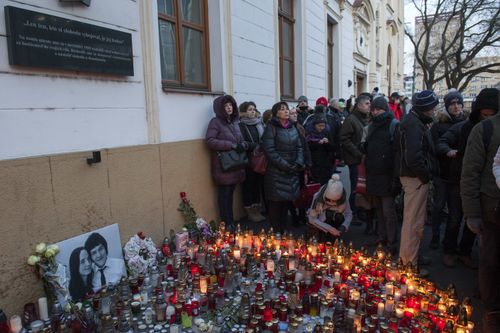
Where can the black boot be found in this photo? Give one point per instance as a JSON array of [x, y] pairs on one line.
[[434, 242]]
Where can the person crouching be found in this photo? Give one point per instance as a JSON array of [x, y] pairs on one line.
[[330, 211]]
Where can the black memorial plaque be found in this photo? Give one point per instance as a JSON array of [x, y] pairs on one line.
[[40, 40]]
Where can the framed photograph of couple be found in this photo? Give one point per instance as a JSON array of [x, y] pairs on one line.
[[93, 260]]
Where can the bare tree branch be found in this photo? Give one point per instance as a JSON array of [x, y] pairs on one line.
[[450, 35]]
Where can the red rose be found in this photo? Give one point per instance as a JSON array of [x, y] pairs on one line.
[[141, 235], [183, 195]]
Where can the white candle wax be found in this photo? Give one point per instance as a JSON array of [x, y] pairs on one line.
[[399, 313], [337, 276], [16, 324], [389, 305], [411, 289], [237, 254], [389, 288], [43, 308], [380, 309], [278, 254], [397, 295]]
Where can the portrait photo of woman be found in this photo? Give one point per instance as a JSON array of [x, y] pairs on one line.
[[80, 267]]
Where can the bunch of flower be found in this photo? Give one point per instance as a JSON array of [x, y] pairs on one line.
[[53, 274], [196, 226], [140, 254]]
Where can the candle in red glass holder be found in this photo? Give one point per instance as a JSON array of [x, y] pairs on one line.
[[195, 269], [408, 314], [268, 314]]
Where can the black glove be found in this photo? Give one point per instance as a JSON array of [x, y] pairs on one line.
[[240, 148], [396, 187]]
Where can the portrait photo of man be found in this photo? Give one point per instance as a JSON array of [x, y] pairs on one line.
[[106, 270]]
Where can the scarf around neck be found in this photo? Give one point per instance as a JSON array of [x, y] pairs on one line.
[[256, 121]]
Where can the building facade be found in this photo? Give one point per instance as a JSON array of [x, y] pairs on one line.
[[149, 126]]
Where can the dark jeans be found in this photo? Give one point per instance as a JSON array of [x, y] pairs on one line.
[[278, 213], [489, 256], [387, 227], [353, 176], [449, 193], [225, 201], [301, 216], [252, 188]]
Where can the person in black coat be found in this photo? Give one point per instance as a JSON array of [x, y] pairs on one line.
[[285, 156], [381, 171], [299, 214], [416, 170], [252, 128], [452, 144], [445, 192], [322, 149]]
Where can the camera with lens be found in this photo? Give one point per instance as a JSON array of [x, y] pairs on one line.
[[335, 219]]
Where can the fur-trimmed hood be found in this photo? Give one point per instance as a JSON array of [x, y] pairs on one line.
[[219, 108], [442, 116]]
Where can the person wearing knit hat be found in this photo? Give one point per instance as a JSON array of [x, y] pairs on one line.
[[382, 184], [321, 146], [322, 101], [330, 211], [416, 170], [380, 103], [452, 144], [425, 105], [481, 203], [446, 192], [453, 97]]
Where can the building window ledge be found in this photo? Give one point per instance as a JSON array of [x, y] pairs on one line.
[[192, 91]]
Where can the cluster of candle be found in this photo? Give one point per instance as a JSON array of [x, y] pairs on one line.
[[241, 282]]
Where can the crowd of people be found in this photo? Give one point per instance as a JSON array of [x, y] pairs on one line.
[[407, 148]]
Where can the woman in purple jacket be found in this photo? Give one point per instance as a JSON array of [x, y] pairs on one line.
[[223, 134]]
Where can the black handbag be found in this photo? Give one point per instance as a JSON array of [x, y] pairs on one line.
[[232, 160]]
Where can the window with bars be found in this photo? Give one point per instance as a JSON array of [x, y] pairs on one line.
[[184, 51], [287, 58]]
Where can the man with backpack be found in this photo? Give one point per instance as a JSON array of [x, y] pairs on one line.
[[481, 199], [381, 171]]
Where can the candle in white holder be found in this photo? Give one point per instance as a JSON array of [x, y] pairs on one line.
[[43, 308], [16, 324], [411, 289], [397, 295], [389, 305], [337, 276], [380, 309], [399, 313], [389, 288]]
